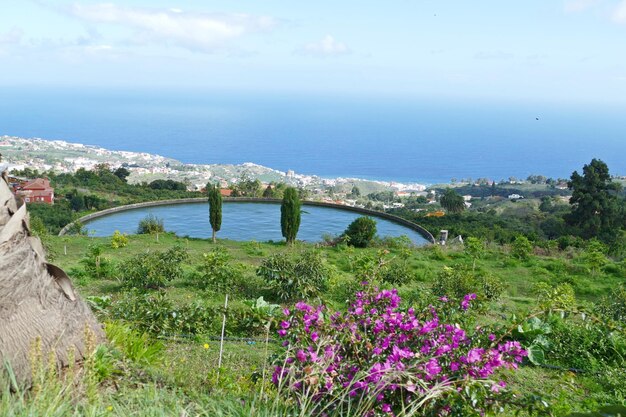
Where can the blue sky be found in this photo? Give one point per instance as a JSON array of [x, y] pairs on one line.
[[562, 50]]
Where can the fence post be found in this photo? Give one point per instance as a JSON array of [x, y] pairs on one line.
[[219, 362]]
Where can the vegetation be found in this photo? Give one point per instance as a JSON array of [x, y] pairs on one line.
[[596, 211], [153, 270], [290, 213], [550, 303], [215, 209], [452, 202], [295, 276], [361, 232], [150, 225]]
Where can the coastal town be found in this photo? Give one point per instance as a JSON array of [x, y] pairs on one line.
[[65, 157]]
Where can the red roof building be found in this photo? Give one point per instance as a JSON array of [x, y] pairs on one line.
[[36, 191], [226, 192]]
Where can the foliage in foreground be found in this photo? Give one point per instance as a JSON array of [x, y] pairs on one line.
[[295, 276], [153, 270], [378, 359]]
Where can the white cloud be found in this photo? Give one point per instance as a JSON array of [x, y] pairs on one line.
[[204, 32], [619, 14], [327, 46]]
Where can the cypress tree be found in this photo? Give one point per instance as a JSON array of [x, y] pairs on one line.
[[290, 214], [215, 209]]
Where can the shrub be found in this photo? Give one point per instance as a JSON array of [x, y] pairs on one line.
[[216, 273], [153, 270], [550, 297], [155, 313], [96, 265], [302, 276], [150, 225], [119, 240], [613, 306], [397, 272], [522, 248], [37, 227], [584, 345], [361, 232], [379, 359], [475, 249], [456, 282]]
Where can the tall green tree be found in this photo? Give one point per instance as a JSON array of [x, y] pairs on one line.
[[290, 214], [595, 208], [451, 201], [215, 209]]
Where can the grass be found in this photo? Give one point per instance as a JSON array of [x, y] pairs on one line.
[[186, 380]]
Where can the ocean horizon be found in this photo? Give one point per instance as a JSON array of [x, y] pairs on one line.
[[387, 139]]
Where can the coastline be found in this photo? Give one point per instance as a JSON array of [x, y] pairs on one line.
[[63, 157]]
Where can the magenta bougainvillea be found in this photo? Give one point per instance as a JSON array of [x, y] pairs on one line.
[[383, 359]]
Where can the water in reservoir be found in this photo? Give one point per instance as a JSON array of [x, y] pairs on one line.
[[244, 221]]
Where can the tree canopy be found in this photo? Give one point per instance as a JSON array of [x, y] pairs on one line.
[[290, 214], [595, 208], [451, 201], [215, 209]]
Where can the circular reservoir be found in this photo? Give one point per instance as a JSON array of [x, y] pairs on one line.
[[244, 221]]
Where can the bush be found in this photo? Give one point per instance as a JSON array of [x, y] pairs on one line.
[[150, 225], [522, 248], [361, 232], [455, 283], [156, 314], [583, 345], [302, 276], [153, 270], [379, 359], [119, 240], [96, 265], [397, 272], [217, 274], [613, 306], [550, 297]]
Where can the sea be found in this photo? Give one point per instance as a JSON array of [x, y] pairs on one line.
[[423, 140]]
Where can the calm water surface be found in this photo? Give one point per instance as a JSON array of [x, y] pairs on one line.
[[243, 221]]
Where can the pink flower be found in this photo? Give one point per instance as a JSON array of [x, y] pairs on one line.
[[432, 368], [497, 387], [475, 355]]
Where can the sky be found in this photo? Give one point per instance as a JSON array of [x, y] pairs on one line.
[[550, 50]]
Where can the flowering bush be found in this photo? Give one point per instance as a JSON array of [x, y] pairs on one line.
[[119, 240], [378, 359]]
